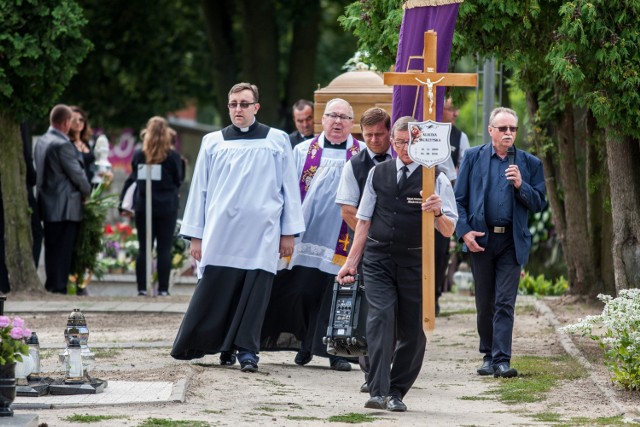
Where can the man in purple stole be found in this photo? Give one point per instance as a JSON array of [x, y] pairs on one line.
[[298, 312]]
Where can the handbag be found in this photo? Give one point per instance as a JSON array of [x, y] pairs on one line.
[[128, 201]]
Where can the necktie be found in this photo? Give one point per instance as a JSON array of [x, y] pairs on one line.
[[380, 158], [403, 177]]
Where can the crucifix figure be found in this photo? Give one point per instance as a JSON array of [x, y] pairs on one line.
[[429, 85], [429, 78]]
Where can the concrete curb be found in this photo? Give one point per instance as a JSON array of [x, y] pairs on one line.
[[573, 351]]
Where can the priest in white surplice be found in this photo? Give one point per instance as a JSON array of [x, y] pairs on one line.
[[242, 214], [298, 312]]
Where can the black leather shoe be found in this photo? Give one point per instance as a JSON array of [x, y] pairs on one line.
[[303, 357], [486, 368], [504, 371], [395, 404], [341, 365], [227, 358], [364, 388], [376, 402], [248, 366]]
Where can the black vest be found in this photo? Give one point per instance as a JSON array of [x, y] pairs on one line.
[[361, 164], [396, 225], [454, 141]]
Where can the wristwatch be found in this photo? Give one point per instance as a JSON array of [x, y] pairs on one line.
[[439, 215]]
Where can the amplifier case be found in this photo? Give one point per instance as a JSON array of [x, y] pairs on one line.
[[346, 332]]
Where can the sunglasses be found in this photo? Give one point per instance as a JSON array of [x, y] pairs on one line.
[[504, 128], [243, 105]]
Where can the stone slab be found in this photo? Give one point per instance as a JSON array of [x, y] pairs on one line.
[[19, 420], [117, 393]]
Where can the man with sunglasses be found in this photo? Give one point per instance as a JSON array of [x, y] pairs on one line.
[[497, 186], [242, 212], [389, 242]]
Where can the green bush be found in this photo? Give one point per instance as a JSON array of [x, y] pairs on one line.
[[540, 286], [620, 337]]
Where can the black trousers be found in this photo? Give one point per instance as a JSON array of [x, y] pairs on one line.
[[394, 295], [497, 273], [59, 241], [441, 260], [162, 230], [225, 313]]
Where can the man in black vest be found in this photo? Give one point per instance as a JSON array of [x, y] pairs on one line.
[[388, 233], [375, 124], [303, 119]]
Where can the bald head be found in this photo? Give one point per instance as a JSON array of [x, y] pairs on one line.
[[337, 120]]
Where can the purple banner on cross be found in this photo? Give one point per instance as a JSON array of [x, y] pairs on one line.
[[408, 100]]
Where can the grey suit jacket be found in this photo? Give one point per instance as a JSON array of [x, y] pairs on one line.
[[61, 181]]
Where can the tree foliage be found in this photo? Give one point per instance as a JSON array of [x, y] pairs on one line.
[[286, 48], [376, 24], [40, 47], [577, 62], [597, 54], [149, 58]]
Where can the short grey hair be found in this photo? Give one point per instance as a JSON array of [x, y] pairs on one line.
[[499, 110], [402, 124]]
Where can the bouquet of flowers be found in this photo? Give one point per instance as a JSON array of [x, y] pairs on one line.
[[89, 240], [12, 340]]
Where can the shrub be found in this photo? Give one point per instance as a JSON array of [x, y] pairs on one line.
[[619, 337], [540, 286]]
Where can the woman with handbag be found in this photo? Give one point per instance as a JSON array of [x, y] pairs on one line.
[[157, 149]]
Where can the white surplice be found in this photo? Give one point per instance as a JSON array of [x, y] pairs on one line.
[[316, 246], [244, 195]]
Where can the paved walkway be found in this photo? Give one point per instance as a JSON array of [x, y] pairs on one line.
[[160, 392], [16, 307]]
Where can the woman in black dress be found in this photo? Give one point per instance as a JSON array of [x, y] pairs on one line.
[[157, 149]]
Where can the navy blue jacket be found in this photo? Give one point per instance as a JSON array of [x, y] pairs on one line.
[[471, 191]]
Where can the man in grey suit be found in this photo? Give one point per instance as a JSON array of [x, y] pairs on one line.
[[61, 187]]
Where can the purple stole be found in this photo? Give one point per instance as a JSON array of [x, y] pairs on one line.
[[311, 164]]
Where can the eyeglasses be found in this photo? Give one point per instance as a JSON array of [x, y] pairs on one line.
[[243, 105], [334, 116], [400, 142], [504, 128]]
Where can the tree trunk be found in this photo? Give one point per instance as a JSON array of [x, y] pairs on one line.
[[578, 251], [599, 203], [567, 201], [302, 59], [218, 16], [622, 157], [261, 57], [17, 219]]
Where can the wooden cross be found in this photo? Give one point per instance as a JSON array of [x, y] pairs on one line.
[[429, 78]]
